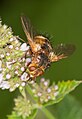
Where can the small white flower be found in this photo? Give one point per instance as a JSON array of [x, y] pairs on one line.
[[56, 93], [17, 67], [28, 53], [24, 76], [8, 65], [11, 46], [16, 41], [39, 94], [49, 97], [23, 84], [28, 60], [7, 54], [32, 82], [22, 68], [12, 89], [13, 61], [16, 72], [46, 83], [4, 26], [42, 79], [17, 48], [1, 69], [2, 55], [8, 76], [46, 100], [48, 90], [9, 33], [17, 85], [24, 47], [4, 85], [0, 63], [11, 39], [56, 87], [1, 77], [23, 59]]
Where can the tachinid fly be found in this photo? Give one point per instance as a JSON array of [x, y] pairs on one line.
[[42, 52]]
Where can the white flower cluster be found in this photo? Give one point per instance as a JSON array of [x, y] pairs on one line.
[[14, 58], [44, 92], [23, 107]]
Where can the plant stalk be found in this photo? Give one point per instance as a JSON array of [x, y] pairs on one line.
[[48, 113]]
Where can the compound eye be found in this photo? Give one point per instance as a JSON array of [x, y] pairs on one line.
[[32, 68]]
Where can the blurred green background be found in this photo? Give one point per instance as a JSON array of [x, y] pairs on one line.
[[62, 19]]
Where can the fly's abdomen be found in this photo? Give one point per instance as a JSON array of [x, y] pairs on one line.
[[38, 65]]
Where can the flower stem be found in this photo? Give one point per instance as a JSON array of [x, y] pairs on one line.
[[45, 110], [29, 90], [48, 113]]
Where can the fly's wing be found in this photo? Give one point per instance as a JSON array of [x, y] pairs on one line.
[[62, 51], [28, 29]]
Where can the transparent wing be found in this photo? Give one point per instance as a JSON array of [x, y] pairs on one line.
[[28, 28], [62, 51]]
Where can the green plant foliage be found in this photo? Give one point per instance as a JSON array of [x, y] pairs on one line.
[[69, 108], [27, 107], [54, 93], [15, 116]]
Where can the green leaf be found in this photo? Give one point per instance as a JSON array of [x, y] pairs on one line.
[[15, 116], [69, 108], [33, 115], [65, 87]]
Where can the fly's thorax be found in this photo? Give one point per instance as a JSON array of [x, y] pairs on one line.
[[43, 44], [39, 40]]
